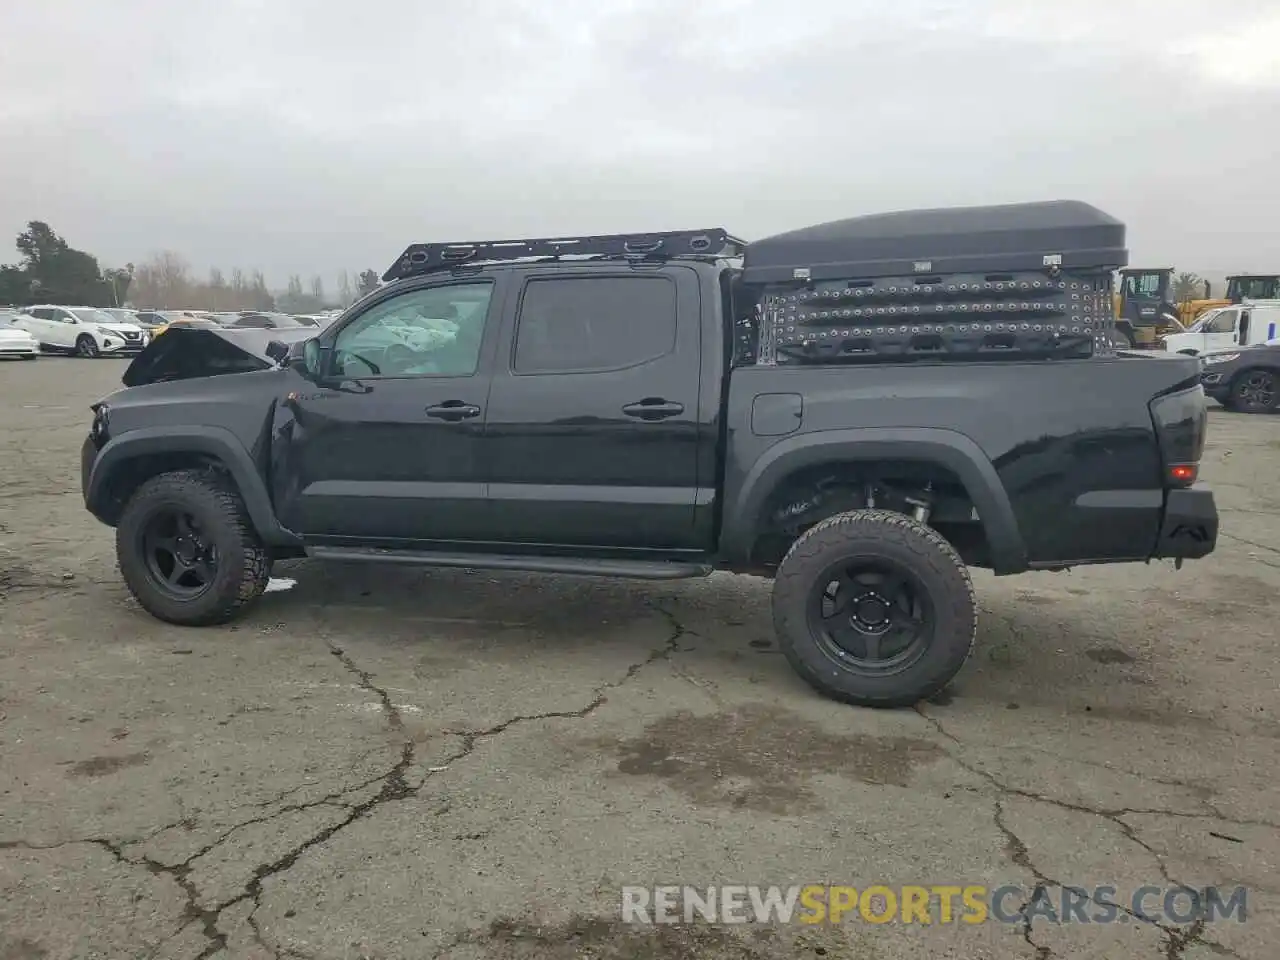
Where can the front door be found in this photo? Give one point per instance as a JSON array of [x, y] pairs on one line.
[[384, 446], [592, 437], [1220, 332]]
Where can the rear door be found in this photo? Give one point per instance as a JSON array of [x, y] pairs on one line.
[[1266, 324], [592, 431], [37, 323]]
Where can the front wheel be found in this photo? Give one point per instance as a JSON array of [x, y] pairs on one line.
[[187, 551], [875, 609], [1254, 391], [86, 347]]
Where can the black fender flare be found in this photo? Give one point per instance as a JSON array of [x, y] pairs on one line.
[[947, 448], [218, 444]]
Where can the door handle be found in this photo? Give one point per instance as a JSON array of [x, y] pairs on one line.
[[653, 408], [453, 410]]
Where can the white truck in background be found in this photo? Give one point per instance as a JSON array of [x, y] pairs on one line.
[[1248, 324]]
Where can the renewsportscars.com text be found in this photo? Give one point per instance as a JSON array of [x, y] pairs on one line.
[[934, 904]]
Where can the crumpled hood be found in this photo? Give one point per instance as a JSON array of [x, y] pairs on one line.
[[184, 353]]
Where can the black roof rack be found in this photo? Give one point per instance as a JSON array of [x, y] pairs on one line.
[[421, 258]]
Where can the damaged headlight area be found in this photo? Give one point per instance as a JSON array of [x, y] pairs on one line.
[[185, 353]]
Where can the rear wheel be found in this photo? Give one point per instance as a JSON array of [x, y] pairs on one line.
[[187, 551], [875, 609], [1254, 391], [86, 346]]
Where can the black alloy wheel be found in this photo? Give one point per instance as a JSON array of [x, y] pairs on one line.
[[180, 560], [872, 614], [1254, 391]]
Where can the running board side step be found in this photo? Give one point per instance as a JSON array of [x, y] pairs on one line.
[[575, 566]]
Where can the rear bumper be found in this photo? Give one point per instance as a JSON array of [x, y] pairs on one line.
[[1189, 529]]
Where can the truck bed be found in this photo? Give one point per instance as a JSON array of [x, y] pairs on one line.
[[1060, 459]]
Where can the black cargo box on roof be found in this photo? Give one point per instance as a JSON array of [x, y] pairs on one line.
[[1007, 237]]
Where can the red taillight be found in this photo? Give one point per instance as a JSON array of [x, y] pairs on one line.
[[1184, 474]]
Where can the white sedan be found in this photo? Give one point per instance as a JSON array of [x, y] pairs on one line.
[[14, 341]]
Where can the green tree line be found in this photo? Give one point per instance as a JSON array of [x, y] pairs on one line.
[[52, 271]]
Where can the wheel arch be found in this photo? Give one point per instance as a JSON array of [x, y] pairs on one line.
[[949, 450], [130, 459]]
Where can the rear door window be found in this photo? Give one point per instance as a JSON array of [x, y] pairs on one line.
[[594, 324]]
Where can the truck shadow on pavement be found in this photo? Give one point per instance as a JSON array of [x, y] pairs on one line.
[[1045, 647]]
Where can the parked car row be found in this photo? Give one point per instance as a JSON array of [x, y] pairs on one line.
[[83, 331], [117, 331]]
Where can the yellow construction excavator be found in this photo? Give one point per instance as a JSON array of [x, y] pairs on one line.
[[1145, 308]]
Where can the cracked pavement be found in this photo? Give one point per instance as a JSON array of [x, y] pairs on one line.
[[400, 763]]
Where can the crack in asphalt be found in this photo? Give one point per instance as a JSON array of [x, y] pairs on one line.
[[1252, 543], [1177, 939], [394, 786], [365, 678], [1021, 857]]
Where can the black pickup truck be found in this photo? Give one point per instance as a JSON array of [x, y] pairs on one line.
[[858, 410]]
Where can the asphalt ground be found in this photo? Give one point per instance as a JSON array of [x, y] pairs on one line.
[[387, 763]]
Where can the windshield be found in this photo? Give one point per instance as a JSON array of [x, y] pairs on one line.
[[1253, 288], [1199, 325], [94, 316], [1143, 284]]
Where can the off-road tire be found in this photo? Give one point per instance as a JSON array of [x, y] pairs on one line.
[[244, 566], [87, 347], [1241, 404], [898, 538]]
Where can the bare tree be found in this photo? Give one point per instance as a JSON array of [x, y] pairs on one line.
[[345, 294], [317, 288], [162, 282], [219, 295]]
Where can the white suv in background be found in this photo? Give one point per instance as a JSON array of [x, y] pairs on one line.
[[84, 331]]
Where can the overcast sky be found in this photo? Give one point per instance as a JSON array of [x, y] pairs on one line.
[[310, 136]]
